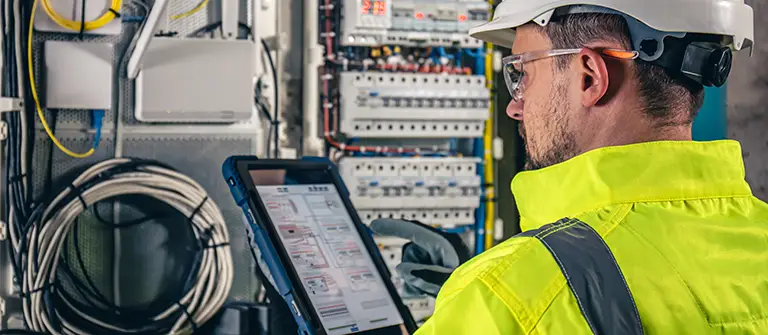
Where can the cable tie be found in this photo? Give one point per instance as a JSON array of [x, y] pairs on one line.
[[189, 316], [18, 178], [82, 21], [215, 246], [197, 209], [45, 286], [113, 11], [79, 195], [207, 235]]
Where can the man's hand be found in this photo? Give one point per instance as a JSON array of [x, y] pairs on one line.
[[429, 258]]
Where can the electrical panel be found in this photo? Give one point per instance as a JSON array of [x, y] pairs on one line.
[[412, 23], [413, 105], [404, 104]]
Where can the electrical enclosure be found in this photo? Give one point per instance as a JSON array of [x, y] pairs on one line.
[[196, 80], [78, 75]]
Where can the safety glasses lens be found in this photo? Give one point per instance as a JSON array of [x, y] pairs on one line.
[[513, 78]]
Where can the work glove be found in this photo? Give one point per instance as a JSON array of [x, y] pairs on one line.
[[429, 257]]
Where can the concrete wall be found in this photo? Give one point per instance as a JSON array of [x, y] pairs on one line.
[[748, 103]]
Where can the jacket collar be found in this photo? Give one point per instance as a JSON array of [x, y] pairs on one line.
[[644, 172]]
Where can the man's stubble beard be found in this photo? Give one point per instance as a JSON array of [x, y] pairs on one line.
[[562, 141]]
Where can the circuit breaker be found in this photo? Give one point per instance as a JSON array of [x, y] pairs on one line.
[[413, 105]]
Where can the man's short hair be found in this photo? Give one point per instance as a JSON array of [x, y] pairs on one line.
[[669, 99]]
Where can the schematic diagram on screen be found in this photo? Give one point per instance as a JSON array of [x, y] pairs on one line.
[[298, 234], [335, 229], [283, 209], [306, 254], [347, 254], [331, 259], [321, 205], [321, 283], [361, 279]]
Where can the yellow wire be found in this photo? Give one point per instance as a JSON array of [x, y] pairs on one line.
[[37, 100], [199, 7], [490, 191], [102, 21]]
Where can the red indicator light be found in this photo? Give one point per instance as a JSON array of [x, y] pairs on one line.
[[419, 16], [379, 8], [462, 18]]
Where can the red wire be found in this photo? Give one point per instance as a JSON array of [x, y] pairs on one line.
[[327, 133]]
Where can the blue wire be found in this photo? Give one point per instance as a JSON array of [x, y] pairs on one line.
[[480, 211], [131, 18], [452, 145], [97, 118], [479, 57], [457, 230], [441, 53]]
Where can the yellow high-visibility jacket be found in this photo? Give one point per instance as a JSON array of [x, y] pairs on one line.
[[689, 238]]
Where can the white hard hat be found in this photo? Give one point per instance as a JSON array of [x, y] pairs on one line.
[[647, 20], [731, 18]]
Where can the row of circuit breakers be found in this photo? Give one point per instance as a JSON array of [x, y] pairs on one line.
[[433, 190], [424, 81], [404, 104]]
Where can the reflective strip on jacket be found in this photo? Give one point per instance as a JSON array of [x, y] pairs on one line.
[[686, 231]]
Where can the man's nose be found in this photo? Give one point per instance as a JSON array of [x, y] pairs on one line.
[[515, 110]]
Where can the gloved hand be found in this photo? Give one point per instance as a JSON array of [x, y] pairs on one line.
[[429, 258]]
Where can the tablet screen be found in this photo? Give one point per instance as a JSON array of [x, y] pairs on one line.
[[338, 274]]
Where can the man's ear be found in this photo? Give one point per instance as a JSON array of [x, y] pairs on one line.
[[593, 73]]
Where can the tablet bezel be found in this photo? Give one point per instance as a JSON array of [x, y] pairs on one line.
[[244, 166]]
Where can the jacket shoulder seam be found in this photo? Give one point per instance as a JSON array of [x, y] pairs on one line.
[[563, 285], [522, 249], [656, 200], [523, 320], [675, 271]]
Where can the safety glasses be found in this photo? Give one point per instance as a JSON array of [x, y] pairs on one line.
[[513, 65]]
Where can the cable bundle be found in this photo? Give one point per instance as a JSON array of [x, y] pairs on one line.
[[110, 14], [49, 309]]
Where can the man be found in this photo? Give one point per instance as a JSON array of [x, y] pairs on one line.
[[629, 227]]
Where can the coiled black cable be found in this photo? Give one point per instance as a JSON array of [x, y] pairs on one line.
[[83, 309]]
